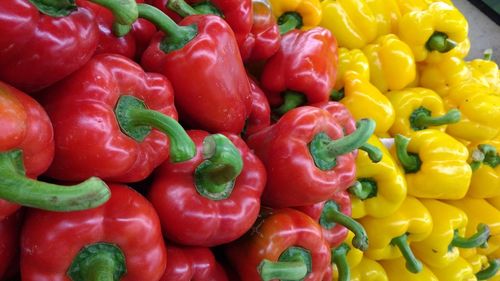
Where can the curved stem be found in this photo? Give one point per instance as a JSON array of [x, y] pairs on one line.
[[410, 162], [490, 271], [289, 21], [440, 42], [412, 263], [476, 240], [339, 257], [364, 189], [182, 8], [421, 120], [293, 264], [291, 100], [337, 95], [98, 262], [374, 152], [124, 11]]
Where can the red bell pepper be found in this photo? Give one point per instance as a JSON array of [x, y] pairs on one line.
[[192, 264], [201, 59], [26, 151], [9, 244], [306, 156], [120, 240], [260, 116], [43, 41], [303, 71], [285, 244], [217, 193], [109, 107]]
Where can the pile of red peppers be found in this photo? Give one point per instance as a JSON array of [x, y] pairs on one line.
[[171, 140]]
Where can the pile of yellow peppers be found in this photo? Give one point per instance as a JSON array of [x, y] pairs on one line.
[[431, 206]]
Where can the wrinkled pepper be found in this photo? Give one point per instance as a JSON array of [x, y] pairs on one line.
[[406, 6], [368, 270], [395, 269], [198, 44], [485, 163], [459, 269], [285, 244], [296, 14], [217, 192], [411, 222], [387, 15], [10, 228], [260, 116], [44, 41], [351, 60], [486, 71], [112, 132], [418, 109], [120, 240], [322, 156], [435, 164]]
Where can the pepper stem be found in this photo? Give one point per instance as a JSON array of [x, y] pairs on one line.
[[291, 100], [421, 118], [485, 154], [374, 152], [124, 11], [339, 256], [410, 161], [490, 271], [412, 263], [337, 95], [293, 264], [207, 8], [324, 150], [289, 21], [440, 42], [364, 189], [55, 8], [488, 54], [17, 188], [476, 240], [215, 176], [136, 121], [98, 262], [182, 8]]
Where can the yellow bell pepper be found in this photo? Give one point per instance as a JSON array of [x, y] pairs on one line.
[[392, 65], [477, 262], [485, 163], [345, 257], [368, 270], [440, 248], [304, 14], [480, 110], [406, 6], [387, 15], [460, 51], [417, 109], [383, 185], [440, 77], [351, 61], [484, 268], [438, 28], [390, 236], [435, 164], [459, 269], [396, 270], [486, 72]]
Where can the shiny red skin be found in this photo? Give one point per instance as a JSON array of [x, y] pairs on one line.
[[24, 125], [306, 62], [211, 87], [189, 218], [277, 232], [51, 240], [293, 178], [192, 264], [82, 106], [337, 234], [263, 41], [9, 244], [37, 50], [260, 116]]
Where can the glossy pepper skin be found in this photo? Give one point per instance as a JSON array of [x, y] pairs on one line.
[[486, 71], [368, 270], [308, 11], [192, 264], [185, 203], [395, 269], [102, 143], [485, 163], [351, 60], [127, 223], [9, 244], [260, 116], [435, 165], [459, 269], [274, 239]]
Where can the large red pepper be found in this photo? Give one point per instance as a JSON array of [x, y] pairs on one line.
[[120, 240], [303, 71], [121, 120], [192, 264], [26, 151], [285, 244], [306, 156], [213, 198], [9, 244], [43, 41], [260, 116], [201, 59]]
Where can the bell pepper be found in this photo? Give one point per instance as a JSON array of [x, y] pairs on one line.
[[483, 267], [480, 109], [351, 60], [296, 14], [44, 41], [440, 248], [395, 269], [26, 151], [368, 270], [120, 240], [382, 187], [117, 105], [477, 262], [306, 154], [192, 263], [217, 192], [199, 43], [486, 71], [387, 15], [260, 116], [442, 76], [460, 51], [303, 70], [406, 6], [411, 222], [285, 244], [435, 164], [459, 269], [392, 65], [345, 257], [418, 109], [485, 163], [438, 28], [9, 244]]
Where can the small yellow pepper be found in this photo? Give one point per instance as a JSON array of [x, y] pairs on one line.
[[483, 268], [383, 185], [486, 71], [390, 236], [485, 163], [345, 257], [440, 77], [392, 65], [458, 270], [387, 15], [438, 28], [368, 270], [351, 60], [435, 164], [303, 14], [417, 109], [396, 270]]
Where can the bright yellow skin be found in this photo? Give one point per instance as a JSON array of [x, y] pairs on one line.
[[309, 10], [406, 6], [387, 15], [458, 270], [486, 72], [351, 61], [460, 51], [391, 184], [477, 262], [368, 270], [392, 65], [396, 270], [354, 256], [440, 77], [445, 172], [485, 182]]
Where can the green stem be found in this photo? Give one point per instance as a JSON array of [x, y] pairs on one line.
[[374, 152], [339, 257], [488, 54], [182, 8], [421, 118], [207, 8], [490, 271], [337, 95], [364, 189], [294, 264], [215, 176], [124, 11], [476, 240], [485, 154], [410, 161], [412, 263], [98, 262], [440, 42], [291, 100], [55, 8], [289, 21], [17, 188], [136, 121]]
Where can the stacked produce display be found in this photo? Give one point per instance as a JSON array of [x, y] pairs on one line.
[[246, 140]]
